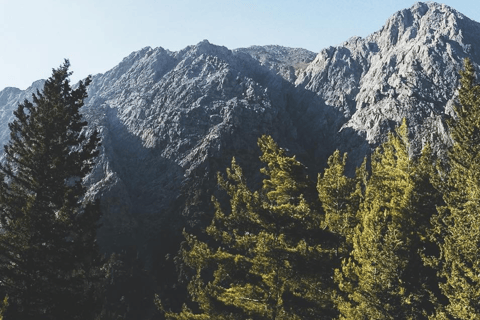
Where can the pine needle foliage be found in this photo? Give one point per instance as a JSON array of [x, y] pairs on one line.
[[47, 245], [457, 226], [385, 277], [267, 258], [340, 197]]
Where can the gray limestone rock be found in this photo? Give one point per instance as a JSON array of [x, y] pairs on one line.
[[9, 100], [408, 69], [286, 62]]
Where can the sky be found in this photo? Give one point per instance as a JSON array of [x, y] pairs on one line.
[[95, 35]]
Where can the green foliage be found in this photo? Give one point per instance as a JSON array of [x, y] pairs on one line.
[[3, 307], [384, 277], [267, 258], [457, 226], [402, 239], [48, 250], [340, 197]]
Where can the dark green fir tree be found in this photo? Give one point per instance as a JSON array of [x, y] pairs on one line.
[[48, 250]]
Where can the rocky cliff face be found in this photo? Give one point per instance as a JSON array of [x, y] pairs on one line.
[[9, 100], [171, 120], [407, 69]]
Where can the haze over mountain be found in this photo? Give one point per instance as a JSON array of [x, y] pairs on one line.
[[170, 120]]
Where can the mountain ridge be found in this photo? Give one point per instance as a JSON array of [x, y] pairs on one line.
[[170, 120]]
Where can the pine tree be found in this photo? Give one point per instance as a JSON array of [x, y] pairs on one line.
[[268, 259], [457, 226], [48, 249], [340, 197], [385, 276]]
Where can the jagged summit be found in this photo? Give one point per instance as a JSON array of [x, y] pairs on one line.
[[203, 47], [408, 69], [420, 20]]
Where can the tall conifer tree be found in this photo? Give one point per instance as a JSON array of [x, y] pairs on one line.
[[340, 197], [457, 227], [269, 261], [48, 249], [385, 277]]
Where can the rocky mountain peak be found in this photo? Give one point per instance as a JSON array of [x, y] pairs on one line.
[[431, 20], [201, 50], [408, 69], [7, 94]]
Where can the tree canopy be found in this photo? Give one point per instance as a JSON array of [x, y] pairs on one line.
[[267, 257], [457, 226], [48, 249]]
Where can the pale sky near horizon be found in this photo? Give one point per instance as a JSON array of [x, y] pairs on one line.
[[95, 35]]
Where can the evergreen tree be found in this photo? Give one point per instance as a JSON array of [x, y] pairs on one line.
[[385, 277], [268, 260], [457, 226], [340, 197], [48, 250]]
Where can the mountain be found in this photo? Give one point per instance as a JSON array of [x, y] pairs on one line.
[[170, 120], [9, 99], [407, 69]]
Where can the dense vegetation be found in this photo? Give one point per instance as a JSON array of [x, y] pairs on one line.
[[398, 240]]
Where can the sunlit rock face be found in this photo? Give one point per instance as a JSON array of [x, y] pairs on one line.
[[408, 69], [170, 120]]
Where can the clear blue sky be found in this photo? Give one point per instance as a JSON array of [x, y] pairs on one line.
[[36, 35]]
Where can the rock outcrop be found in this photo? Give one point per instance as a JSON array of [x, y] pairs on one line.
[[408, 69]]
